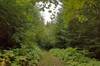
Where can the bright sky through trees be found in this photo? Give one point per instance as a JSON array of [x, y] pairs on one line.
[[49, 10]]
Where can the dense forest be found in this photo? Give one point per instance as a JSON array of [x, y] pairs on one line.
[[73, 40]]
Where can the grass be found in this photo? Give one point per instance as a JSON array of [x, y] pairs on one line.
[[49, 60]]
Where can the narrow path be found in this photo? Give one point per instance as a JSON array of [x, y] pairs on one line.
[[49, 60]]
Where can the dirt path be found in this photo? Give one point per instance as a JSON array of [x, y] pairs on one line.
[[49, 60]]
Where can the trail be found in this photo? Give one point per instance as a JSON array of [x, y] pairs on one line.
[[49, 60]]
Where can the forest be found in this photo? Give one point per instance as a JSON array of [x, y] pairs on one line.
[[73, 40]]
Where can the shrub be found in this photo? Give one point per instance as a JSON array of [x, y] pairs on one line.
[[22, 56], [74, 57]]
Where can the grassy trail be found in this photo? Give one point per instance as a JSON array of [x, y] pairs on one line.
[[49, 60]]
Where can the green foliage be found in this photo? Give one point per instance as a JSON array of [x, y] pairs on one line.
[[20, 57], [74, 57], [22, 33], [46, 37], [18, 21], [78, 25]]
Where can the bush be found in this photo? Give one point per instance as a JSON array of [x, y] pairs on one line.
[[22, 56], [74, 57]]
